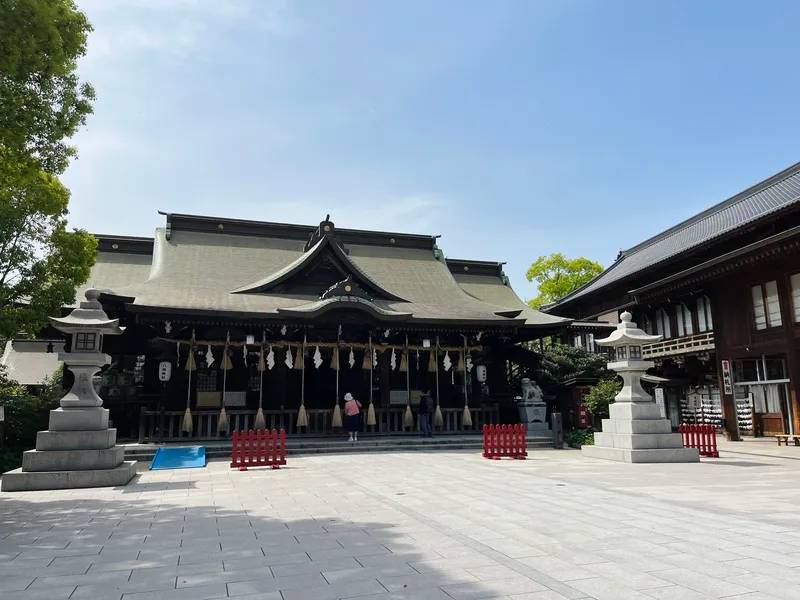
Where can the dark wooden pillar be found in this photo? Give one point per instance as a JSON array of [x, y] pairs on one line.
[[280, 380], [728, 401]]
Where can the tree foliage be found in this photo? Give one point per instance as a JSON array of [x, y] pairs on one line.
[[557, 276], [562, 362], [600, 396], [42, 104], [42, 101]]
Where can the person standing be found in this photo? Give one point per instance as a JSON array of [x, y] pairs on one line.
[[352, 413], [425, 412]]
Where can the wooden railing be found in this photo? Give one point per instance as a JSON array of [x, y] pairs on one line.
[[689, 343], [165, 426]]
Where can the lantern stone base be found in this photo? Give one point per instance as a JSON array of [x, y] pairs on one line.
[[78, 451], [636, 433], [25, 481]]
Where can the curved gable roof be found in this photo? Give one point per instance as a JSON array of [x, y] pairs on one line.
[[771, 195]]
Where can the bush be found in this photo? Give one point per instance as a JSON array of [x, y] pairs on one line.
[[600, 396], [582, 437], [25, 415]]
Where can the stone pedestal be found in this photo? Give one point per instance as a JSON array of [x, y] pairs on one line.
[[77, 451], [636, 433], [534, 417]]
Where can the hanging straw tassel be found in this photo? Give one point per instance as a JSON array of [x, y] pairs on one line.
[[461, 365], [366, 364], [222, 423], [188, 423], [226, 361], [260, 423], [408, 418], [466, 421], [336, 421], [438, 419], [371, 414], [302, 415], [335, 359], [403, 368], [432, 362], [299, 359]]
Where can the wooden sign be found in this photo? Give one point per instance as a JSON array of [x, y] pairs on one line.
[[660, 402], [727, 378]]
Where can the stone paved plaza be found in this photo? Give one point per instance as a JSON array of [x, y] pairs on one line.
[[418, 526]]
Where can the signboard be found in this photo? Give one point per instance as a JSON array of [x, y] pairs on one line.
[[727, 378], [660, 402]]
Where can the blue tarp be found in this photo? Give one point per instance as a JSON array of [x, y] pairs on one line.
[[193, 457]]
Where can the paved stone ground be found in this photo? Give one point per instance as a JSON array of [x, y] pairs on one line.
[[418, 526]]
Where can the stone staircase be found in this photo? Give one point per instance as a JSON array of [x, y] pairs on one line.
[[339, 445]]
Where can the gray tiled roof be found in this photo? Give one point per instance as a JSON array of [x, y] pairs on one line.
[[493, 290], [769, 196], [27, 361], [115, 270], [200, 271]]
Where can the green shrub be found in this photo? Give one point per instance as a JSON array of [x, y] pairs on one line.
[[583, 437], [25, 415], [600, 396]]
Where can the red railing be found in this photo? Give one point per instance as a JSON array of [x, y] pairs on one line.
[[258, 449], [702, 437], [504, 441]]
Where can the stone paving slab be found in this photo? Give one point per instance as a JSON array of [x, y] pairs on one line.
[[410, 526]]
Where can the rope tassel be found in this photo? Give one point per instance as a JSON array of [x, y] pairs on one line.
[[222, 424], [408, 418], [432, 363]]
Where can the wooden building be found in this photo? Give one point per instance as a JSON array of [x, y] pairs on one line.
[[273, 316], [723, 288]]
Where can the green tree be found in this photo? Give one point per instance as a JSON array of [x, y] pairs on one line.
[[42, 104], [557, 276], [563, 362], [600, 396]]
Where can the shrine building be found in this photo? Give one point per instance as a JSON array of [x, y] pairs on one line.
[[289, 318]]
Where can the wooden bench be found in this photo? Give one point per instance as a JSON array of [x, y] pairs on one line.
[[785, 439]]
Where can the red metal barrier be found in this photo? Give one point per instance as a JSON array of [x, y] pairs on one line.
[[258, 449], [702, 437], [504, 441]]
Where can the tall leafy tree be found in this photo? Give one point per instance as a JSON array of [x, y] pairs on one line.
[[42, 104], [558, 275]]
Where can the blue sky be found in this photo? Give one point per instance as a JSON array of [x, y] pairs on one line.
[[514, 128]]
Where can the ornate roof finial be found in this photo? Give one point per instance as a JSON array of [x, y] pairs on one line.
[[325, 228]]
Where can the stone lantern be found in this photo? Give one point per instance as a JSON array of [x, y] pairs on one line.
[[78, 450], [636, 431]]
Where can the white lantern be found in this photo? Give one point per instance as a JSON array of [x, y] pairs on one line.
[[251, 340], [480, 373], [164, 370]]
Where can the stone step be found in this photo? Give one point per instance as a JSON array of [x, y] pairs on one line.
[[18, 481], [638, 441], [145, 452], [72, 460], [661, 455], [76, 440]]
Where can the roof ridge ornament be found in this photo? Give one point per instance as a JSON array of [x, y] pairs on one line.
[[347, 287], [325, 228]]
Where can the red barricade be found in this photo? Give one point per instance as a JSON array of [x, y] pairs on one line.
[[702, 437], [504, 441], [258, 449]]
